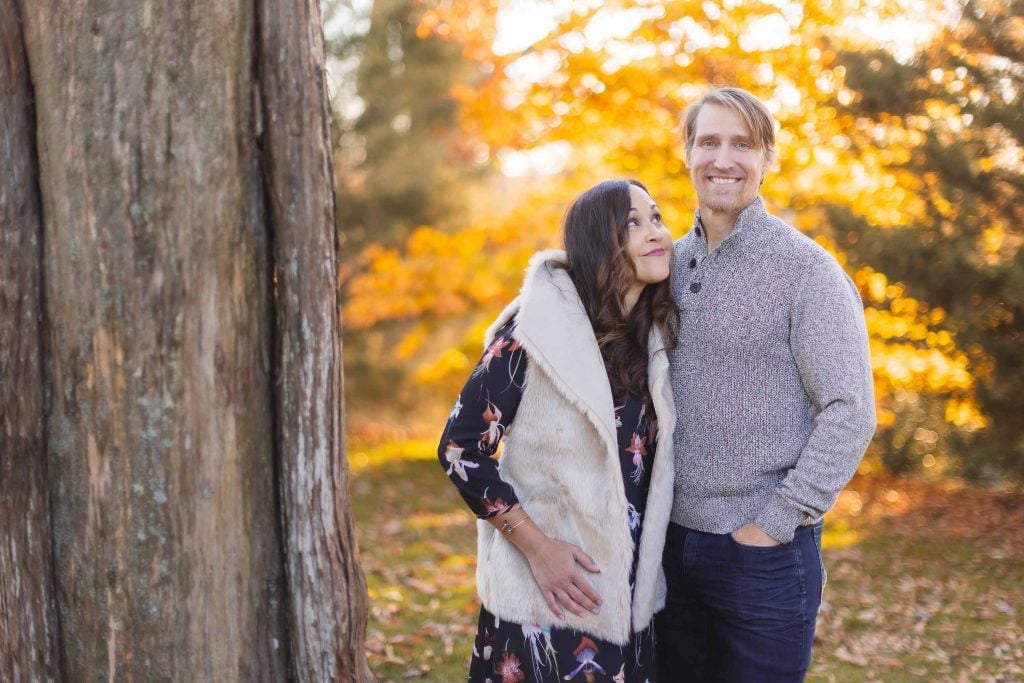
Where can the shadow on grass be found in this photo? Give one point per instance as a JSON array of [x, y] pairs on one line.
[[921, 586]]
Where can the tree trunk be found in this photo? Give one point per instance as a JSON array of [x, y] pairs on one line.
[[327, 591], [155, 271], [28, 620], [196, 455]]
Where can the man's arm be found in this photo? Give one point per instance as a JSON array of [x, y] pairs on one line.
[[829, 342]]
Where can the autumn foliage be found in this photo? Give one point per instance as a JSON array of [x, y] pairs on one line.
[[600, 95]]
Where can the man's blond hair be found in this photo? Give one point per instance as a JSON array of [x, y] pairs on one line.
[[752, 110]]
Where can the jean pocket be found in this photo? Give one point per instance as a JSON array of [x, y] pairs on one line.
[[821, 560], [756, 548]]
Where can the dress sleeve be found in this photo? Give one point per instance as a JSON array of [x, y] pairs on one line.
[[482, 412]]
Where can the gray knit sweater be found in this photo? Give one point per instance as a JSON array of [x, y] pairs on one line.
[[772, 379]]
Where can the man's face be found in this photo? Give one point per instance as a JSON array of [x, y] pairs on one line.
[[726, 164]]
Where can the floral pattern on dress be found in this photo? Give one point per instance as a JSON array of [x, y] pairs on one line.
[[477, 423]]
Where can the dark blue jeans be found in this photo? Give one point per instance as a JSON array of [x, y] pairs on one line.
[[739, 613]]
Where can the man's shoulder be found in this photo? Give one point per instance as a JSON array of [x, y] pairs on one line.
[[797, 248], [806, 263]]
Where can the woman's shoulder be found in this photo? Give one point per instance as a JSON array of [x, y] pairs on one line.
[[506, 330]]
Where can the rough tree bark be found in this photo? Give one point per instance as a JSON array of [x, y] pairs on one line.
[[155, 272], [28, 620], [327, 593], [195, 439]]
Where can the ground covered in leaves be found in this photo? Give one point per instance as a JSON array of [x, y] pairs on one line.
[[925, 578]]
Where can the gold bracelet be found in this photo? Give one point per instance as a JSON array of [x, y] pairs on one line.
[[507, 528]]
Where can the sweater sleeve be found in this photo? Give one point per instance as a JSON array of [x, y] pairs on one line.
[[477, 423], [829, 342]]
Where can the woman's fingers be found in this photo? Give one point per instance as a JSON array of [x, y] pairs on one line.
[[549, 598], [582, 584], [568, 603], [557, 573], [581, 598], [585, 560], [588, 596], [576, 601]]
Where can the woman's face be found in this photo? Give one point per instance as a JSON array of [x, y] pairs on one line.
[[648, 244]]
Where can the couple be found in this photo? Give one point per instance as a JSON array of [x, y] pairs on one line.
[[670, 443]]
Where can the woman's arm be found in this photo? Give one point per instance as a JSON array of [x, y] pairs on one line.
[[476, 425]]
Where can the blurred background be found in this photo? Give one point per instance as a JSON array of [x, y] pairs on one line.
[[462, 129]]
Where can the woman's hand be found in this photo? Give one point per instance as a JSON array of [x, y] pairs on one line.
[[553, 563], [554, 569]]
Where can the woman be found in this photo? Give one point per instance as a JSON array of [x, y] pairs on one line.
[[572, 522]]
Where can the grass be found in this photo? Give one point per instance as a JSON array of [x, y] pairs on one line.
[[418, 545], [926, 579]]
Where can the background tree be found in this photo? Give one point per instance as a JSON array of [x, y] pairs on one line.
[[600, 95], [190, 337], [958, 106], [405, 165], [406, 160]]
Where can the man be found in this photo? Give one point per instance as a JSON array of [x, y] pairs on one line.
[[773, 393]]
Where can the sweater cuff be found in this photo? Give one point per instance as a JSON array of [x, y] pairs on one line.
[[780, 519]]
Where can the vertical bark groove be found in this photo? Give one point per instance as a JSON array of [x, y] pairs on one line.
[[272, 343], [327, 591], [28, 620]]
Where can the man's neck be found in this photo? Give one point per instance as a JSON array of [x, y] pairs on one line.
[[717, 225]]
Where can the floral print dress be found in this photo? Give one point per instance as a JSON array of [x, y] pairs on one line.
[[505, 652]]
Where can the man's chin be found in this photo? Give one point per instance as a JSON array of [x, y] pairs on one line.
[[725, 208]]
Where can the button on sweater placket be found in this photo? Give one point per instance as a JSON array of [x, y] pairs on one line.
[[696, 265], [701, 269], [696, 268]]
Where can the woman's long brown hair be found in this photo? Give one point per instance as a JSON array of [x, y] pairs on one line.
[[596, 233]]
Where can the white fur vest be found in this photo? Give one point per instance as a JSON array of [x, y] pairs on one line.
[[562, 458]]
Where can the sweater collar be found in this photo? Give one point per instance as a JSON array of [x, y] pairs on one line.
[[750, 230]]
